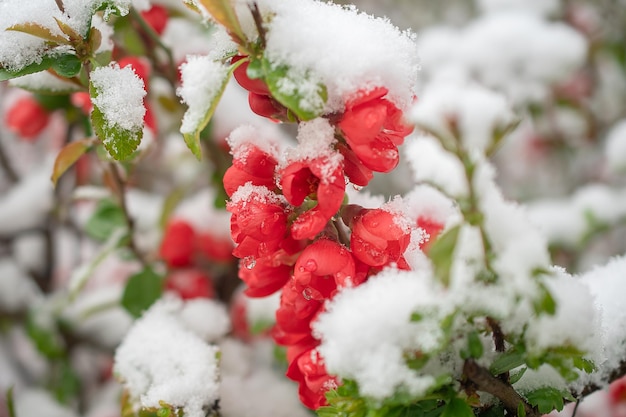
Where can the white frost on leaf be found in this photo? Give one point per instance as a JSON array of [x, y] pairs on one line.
[[202, 80], [161, 359], [119, 94]]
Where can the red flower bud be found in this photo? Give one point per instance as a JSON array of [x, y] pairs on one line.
[[157, 17], [250, 165], [254, 85], [27, 118], [177, 247]]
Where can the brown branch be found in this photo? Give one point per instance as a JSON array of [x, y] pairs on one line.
[[7, 167], [490, 384], [130, 224], [258, 22]]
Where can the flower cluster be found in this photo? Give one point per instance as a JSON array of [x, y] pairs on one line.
[[293, 228]]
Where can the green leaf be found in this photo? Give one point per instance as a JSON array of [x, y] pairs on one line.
[[107, 217], [10, 402], [142, 290], [46, 62], [68, 156], [546, 399], [456, 407], [224, 13], [474, 347], [517, 375], [507, 361], [521, 410], [193, 139], [65, 383], [441, 254], [301, 95], [545, 303], [46, 340], [120, 143], [67, 65], [584, 364]]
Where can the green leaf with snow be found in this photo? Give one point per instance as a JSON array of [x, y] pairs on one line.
[[544, 303], [120, 143], [107, 217], [67, 65], [45, 63], [302, 95], [547, 399], [142, 290], [441, 254], [474, 347], [507, 361], [193, 123]]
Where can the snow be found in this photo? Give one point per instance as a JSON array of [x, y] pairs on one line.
[[515, 52], [202, 80], [471, 112], [247, 136], [43, 81], [607, 285], [381, 335], [31, 402], [207, 318], [378, 53], [615, 147], [17, 289], [161, 359], [119, 94]]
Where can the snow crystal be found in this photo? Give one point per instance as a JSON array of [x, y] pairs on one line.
[[243, 138], [315, 140], [615, 147], [202, 79], [607, 285], [382, 335], [250, 192], [477, 114], [432, 164], [119, 96], [359, 51], [572, 324], [160, 359]]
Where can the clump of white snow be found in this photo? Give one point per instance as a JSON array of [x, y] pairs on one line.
[[119, 94], [161, 359], [202, 80]]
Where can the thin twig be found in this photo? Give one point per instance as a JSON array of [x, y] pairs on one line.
[[6, 166], [576, 407], [258, 22], [130, 224], [490, 384]]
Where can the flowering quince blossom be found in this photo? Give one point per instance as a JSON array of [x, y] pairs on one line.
[[309, 371], [379, 238], [310, 178], [177, 246], [190, 283], [250, 164], [373, 128]]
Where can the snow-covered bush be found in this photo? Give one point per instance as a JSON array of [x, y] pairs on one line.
[[262, 208]]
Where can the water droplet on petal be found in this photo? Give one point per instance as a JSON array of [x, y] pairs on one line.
[[310, 265], [307, 294], [249, 262]]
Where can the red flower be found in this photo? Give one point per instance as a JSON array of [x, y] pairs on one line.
[[27, 118], [177, 247], [263, 276], [617, 391], [82, 100], [373, 128], [294, 316], [139, 65], [309, 371], [258, 223], [253, 85], [354, 169], [378, 238], [432, 228], [219, 249], [157, 17], [266, 106], [250, 164], [322, 267], [190, 284], [319, 180]]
